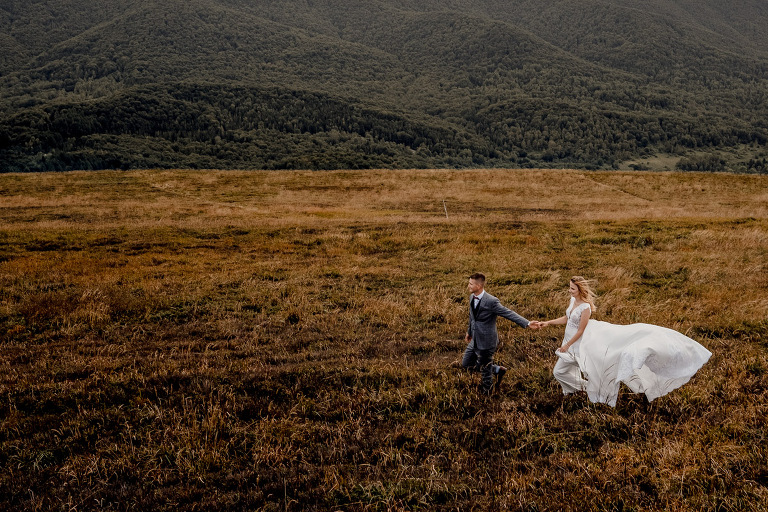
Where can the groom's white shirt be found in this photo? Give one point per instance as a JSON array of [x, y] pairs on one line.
[[478, 297]]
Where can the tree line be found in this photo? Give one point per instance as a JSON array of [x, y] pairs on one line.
[[213, 126]]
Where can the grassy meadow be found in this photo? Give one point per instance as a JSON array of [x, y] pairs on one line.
[[285, 341]]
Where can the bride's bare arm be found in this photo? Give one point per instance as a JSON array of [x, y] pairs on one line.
[[557, 321], [582, 325]]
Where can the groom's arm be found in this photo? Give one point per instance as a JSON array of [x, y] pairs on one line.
[[510, 315]]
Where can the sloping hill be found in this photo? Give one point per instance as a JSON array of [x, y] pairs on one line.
[[698, 47], [514, 83]]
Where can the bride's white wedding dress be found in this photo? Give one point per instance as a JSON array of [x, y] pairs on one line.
[[647, 358]]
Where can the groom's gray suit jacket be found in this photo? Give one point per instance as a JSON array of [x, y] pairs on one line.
[[482, 321]]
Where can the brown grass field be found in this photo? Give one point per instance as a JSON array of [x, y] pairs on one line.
[[285, 341]]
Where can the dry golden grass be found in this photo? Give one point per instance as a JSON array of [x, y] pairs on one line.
[[177, 340]]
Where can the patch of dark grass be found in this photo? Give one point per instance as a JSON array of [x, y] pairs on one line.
[[51, 245], [665, 279], [746, 331]]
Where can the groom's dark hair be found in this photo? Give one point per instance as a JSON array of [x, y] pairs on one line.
[[477, 276]]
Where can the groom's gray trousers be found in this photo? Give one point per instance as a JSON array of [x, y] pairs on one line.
[[480, 360]]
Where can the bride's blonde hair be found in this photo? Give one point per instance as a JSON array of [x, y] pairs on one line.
[[585, 291]]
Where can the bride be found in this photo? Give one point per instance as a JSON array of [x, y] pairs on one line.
[[597, 356]]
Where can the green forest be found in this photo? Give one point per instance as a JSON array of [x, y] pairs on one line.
[[233, 84]]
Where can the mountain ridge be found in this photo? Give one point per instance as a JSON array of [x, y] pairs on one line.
[[456, 64]]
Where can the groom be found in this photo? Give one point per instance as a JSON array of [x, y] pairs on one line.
[[482, 337]]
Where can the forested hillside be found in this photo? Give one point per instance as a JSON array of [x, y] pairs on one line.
[[351, 84]]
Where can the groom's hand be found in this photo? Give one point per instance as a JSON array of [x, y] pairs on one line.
[[534, 325]]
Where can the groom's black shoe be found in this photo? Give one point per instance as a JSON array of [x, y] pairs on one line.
[[500, 375]]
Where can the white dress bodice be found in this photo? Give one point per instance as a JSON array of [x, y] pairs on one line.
[[574, 319]]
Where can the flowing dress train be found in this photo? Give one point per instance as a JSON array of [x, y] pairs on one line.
[[647, 358]]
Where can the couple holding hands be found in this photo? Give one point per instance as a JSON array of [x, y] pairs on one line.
[[595, 356]]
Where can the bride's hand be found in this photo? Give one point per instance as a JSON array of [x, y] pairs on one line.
[[562, 349]]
